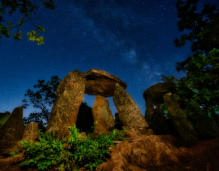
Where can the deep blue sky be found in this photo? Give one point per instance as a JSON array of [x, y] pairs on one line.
[[132, 40]]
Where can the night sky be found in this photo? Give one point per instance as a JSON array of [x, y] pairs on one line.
[[132, 39]]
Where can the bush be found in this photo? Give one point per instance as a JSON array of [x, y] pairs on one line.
[[71, 153]]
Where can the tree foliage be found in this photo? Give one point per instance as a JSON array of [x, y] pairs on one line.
[[198, 90], [21, 12], [200, 27], [199, 93]]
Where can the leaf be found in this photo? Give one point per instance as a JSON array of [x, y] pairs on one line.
[[18, 36], [40, 28]]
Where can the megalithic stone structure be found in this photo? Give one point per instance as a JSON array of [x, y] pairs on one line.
[[70, 94]]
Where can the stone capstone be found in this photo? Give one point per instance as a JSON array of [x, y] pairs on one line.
[[12, 131], [70, 93], [99, 82], [102, 115], [128, 111]]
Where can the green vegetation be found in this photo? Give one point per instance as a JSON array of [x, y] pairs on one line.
[[198, 90], [70, 153], [199, 93]]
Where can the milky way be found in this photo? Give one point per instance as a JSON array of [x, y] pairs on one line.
[[131, 39]]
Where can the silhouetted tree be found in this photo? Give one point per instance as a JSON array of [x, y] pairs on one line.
[[42, 99], [43, 96], [24, 10]]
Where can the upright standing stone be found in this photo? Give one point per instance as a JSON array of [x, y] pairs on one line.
[[31, 132], [11, 132], [129, 112], [70, 94], [178, 116], [102, 115]]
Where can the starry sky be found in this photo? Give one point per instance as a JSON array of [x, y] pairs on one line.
[[132, 39]]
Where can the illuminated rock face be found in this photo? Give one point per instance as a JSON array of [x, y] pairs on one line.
[[102, 115], [31, 132], [128, 111], [70, 94]]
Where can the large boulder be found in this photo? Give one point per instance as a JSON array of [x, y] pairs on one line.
[[12, 131], [128, 111], [70, 94], [154, 113], [155, 93], [99, 82], [179, 119], [102, 115]]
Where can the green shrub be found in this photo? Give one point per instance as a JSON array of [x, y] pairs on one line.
[[71, 153], [47, 153]]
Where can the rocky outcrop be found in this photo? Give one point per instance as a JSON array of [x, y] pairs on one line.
[[128, 111], [141, 153], [70, 94], [102, 115], [182, 125], [12, 131], [99, 82], [159, 152], [31, 132]]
